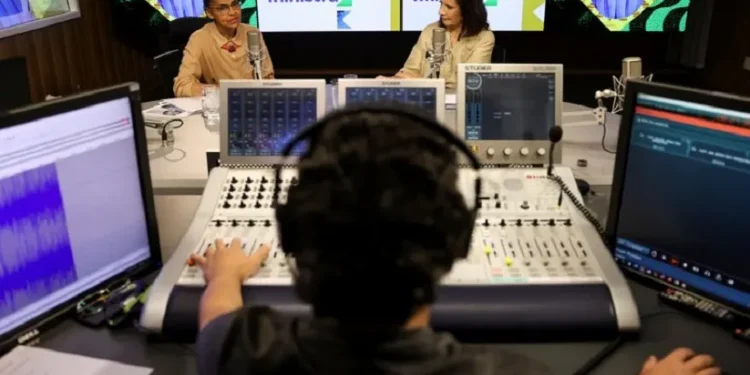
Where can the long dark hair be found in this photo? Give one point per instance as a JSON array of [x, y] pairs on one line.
[[474, 14]]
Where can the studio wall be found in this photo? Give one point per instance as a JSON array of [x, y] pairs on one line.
[[79, 55], [729, 45]]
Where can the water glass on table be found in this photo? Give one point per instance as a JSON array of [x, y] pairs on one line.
[[210, 100]]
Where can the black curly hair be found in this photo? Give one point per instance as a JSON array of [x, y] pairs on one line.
[[375, 217], [474, 15]]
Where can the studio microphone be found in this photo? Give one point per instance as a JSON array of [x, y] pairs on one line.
[[254, 48], [437, 54], [555, 135], [632, 68]]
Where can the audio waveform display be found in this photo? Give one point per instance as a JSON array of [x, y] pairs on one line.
[[35, 252]]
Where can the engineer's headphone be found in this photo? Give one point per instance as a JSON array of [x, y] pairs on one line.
[[313, 132]]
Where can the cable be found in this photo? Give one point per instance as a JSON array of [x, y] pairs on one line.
[[581, 207], [597, 359]]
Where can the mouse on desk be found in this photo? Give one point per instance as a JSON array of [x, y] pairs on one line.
[[583, 186]]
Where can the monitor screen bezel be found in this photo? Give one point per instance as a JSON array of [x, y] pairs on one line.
[[464, 69], [225, 85], [437, 84], [20, 116], [635, 87]]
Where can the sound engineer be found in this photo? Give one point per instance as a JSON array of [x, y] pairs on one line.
[[374, 223], [469, 40], [218, 51]]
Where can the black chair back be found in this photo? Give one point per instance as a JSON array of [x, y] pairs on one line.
[[167, 65], [15, 79], [181, 29]]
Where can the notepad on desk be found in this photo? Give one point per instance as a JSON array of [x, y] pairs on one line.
[[25, 360]]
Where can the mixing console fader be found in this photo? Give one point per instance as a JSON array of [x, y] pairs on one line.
[[535, 266]]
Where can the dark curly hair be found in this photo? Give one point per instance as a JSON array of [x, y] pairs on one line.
[[474, 15], [375, 217]]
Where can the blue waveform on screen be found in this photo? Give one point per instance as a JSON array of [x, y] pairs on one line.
[[36, 258]]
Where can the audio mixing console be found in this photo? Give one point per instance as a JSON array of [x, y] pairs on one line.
[[536, 267]]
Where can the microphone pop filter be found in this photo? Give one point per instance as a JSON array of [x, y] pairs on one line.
[[555, 134]]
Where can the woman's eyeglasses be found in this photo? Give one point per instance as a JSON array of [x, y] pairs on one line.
[[224, 8]]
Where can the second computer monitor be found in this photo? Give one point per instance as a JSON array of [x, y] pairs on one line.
[[504, 111], [425, 95], [258, 118]]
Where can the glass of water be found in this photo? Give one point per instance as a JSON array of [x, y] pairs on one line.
[[210, 101]]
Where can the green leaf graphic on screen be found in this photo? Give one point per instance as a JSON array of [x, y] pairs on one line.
[[490, 3], [346, 3]]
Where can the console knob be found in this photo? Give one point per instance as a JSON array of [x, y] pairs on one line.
[[227, 205], [552, 222], [231, 188], [263, 180], [535, 223], [519, 222], [230, 196], [568, 223], [524, 151], [490, 151], [261, 189], [257, 204], [260, 196], [235, 223], [251, 223], [508, 151], [525, 205], [244, 196], [247, 188], [502, 222], [218, 223], [249, 180], [242, 205], [541, 151], [234, 180], [267, 223], [498, 205], [486, 223]]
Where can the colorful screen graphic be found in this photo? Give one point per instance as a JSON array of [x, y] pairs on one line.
[[329, 15], [414, 15], [503, 15], [617, 15]]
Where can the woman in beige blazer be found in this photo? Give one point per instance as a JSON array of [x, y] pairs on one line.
[[469, 40]]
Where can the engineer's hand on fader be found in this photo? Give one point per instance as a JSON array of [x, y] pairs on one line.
[[221, 261]]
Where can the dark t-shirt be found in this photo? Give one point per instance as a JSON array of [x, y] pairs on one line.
[[260, 341]]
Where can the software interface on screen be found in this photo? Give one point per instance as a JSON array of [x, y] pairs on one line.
[[71, 211], [424, 98], [685, 195], [262, 120], [509, 106]]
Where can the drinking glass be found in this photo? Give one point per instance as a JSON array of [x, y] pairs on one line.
[[210, 100]]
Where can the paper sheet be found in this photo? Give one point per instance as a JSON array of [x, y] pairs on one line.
[[24, 360]]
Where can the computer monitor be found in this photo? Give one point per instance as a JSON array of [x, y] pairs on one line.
[[258, 118], [426, 95], [680, 191], [76, 205], [504, 111]]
